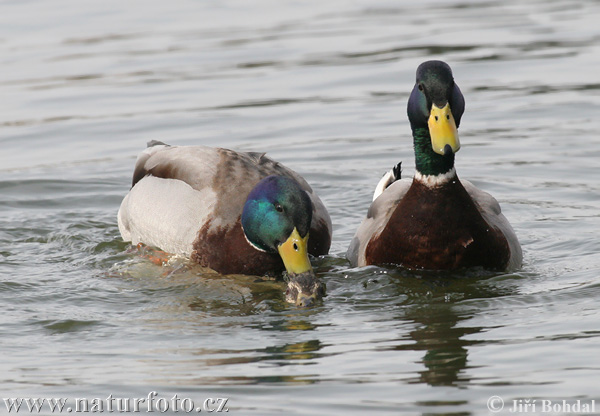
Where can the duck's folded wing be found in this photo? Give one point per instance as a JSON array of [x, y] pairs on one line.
[[176, 190], [194, 165], [377, 217], [165, 213], [492, 214]]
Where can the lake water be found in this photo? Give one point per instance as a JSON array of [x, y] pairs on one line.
[[322, 86]]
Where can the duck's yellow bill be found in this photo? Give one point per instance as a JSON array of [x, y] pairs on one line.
[[442, 129], [294, 253]]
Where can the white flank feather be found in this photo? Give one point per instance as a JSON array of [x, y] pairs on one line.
[[165, 213]]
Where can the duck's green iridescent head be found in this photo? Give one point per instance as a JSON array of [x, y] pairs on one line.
[[276, 218], [435, 108]]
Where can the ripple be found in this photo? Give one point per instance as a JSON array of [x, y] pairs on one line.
[[321, 86]]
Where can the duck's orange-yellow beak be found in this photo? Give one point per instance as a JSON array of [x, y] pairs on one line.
[[442, 129], [294, 253]]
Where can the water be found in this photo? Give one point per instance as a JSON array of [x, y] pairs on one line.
[[321, 86]]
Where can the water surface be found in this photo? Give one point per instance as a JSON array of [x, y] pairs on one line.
[[321, 86]]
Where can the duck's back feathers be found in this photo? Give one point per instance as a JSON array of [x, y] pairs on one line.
[[181, 196]]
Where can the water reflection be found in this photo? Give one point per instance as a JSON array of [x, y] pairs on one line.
[[431, 305], [239, 322], [306, 350], [442, 326], [188, 286], [445, 350], [276, 354]]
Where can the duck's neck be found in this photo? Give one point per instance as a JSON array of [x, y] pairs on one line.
[[427, 162]]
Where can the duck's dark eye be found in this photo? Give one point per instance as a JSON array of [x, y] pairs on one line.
[[436, 118], [295, 247], [447, 116], [420, 87], [278, 207]]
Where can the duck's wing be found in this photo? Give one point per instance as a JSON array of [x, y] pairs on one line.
[[177, 189], [171, 197], [492, 214], [378, 216]]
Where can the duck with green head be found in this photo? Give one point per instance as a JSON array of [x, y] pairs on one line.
[[434, 221], [234, 212], [276, 219]]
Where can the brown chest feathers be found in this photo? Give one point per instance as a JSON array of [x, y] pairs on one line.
[[226, 250], [438, 228]]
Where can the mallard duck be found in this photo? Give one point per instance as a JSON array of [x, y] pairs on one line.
[[434, 221], [233, 212]]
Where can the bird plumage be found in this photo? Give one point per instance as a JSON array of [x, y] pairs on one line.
[[435, 220], [188, 200]]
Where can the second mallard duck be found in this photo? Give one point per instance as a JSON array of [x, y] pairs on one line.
[[234, 212], [434, 221]]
